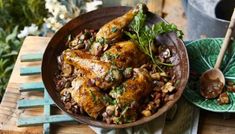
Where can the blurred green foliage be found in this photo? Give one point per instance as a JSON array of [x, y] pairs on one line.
[[14, 16], [21, 13], [9, 47]]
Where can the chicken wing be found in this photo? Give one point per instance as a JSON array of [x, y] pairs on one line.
[[124, 54]]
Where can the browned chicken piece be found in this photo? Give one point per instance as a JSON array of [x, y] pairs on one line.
[[101, 72], [113, 30], [125, 54], [88, 98], [136, 88]]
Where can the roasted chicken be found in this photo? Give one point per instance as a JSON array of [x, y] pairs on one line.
[[102, 73], [124, 54], [87, 97], [112, 31], [136, 88]]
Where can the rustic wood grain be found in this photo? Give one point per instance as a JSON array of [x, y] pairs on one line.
[[210, 123], [174, 13], [8, 108], [214, 123]]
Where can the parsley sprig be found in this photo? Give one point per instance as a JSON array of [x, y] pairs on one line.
[[145, 35]]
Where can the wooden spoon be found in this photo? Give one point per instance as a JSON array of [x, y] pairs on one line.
[[212, 81]]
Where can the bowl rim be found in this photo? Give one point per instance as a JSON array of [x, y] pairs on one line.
[[102, 124]]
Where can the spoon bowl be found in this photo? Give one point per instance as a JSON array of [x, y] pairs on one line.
[[212, 82]]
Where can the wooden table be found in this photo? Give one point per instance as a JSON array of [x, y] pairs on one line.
[[210, 123], [8, 108]]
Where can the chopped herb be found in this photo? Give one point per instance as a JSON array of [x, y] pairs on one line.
[[177, 82], [109, 100], [110, 56], [117, 120], [110, 76], [93, 96], [101, 40], [114, 29], [117, 91], [91, 39], [113, 75]]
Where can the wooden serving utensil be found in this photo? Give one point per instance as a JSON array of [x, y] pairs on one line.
[[212, 81]]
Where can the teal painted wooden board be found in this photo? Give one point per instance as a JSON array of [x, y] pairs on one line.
[[46, 119], [33, 86], [47, 112], [30, 70], [31, 57], [29, 103], [37, 120]]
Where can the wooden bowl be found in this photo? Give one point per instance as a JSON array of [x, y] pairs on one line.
[[94, 20]]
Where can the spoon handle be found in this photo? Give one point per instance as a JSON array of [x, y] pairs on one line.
[[226, 41]]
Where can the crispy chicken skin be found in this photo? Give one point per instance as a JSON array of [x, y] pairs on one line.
[[113, 29], [87, 63], [136, 88], [124, 54], [101, 72], [87, 97]]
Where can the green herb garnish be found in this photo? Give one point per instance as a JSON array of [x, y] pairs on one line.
[[93, 96], [145, 36], [109, 100], [114, 29], [177, 83], [117, 91], [110, 56], [101, 40]]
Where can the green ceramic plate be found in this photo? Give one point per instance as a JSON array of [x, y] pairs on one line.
[[202, 56]]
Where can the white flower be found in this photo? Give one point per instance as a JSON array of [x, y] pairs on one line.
[[28, 30], [92, 5], [62, 16]]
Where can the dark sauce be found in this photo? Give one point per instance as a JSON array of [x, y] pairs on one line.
[[211, 88]]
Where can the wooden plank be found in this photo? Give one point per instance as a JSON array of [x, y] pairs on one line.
[[31, 57], [30, 70], [210, 123], [33, 86], [47, 112], [9, 113], [37, 120], [30, 103]]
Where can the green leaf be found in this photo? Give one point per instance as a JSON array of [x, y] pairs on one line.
[[203, 54], [12, 35], [139, 21], [162, 27]]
